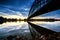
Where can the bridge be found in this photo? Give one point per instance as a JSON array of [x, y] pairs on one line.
[[40, 7]]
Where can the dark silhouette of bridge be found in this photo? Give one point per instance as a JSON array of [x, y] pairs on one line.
[[40, 7]]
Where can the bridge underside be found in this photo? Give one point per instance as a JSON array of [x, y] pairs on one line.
[[51, 6]]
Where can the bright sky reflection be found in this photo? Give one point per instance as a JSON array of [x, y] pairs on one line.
[[55, 26], [7, 27]]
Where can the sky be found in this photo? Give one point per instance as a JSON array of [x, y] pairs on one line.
[[52, 14], [20, 8], [15, 8]]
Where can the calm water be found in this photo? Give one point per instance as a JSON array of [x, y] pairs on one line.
[[22, 28]]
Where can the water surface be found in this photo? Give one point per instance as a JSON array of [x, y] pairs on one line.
[[22, 28]]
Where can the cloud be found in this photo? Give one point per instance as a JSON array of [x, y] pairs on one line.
[[23, 11], [26, 9], [15, 7], [19, 13], [3, 14], [8, 12]]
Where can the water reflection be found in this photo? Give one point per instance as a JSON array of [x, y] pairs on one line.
[[14, 28], [41, 33], [29, 30], [55, 26]]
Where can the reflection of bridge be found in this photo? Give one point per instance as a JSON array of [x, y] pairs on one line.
[[40, 7]]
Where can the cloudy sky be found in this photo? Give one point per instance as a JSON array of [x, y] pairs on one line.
[[21, 8], [15, 7]]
